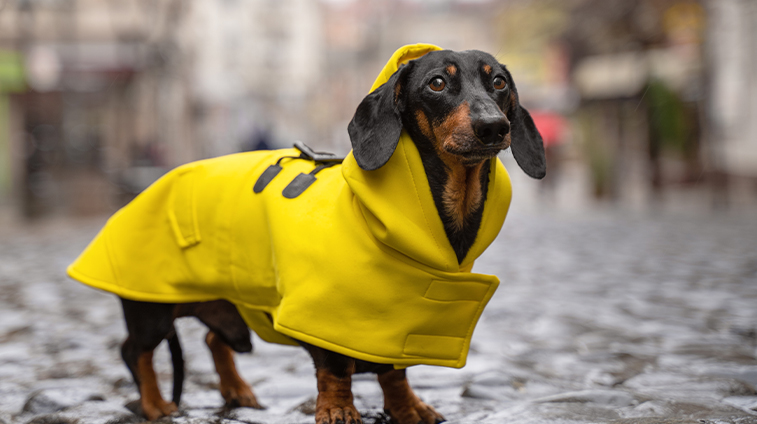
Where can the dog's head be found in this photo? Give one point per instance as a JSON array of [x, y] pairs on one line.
[[464, 103]]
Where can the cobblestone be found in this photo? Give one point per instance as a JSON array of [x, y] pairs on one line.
[[601, 317]]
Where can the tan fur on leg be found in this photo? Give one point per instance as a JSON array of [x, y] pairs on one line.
[[335, 399], [402, 404], [235, 391], [153, 404]]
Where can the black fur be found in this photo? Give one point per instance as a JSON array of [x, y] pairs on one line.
[[148, 324], [375, 129], [339, 364], [177, 363], [527, 145]]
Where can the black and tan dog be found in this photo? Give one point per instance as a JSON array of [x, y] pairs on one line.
[[460, 109]]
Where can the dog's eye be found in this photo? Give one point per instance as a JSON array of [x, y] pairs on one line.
[[499, 83], [437, 84]]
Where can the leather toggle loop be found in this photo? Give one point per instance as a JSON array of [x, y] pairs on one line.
[[266, 177], [271, 172], [301, 182]]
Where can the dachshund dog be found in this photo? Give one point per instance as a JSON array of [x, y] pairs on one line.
[[460, 109]]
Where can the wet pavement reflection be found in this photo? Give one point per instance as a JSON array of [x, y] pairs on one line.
[[601, 317]]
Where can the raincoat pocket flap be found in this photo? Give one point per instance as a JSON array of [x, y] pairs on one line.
[[430, 346], [450, 291], [182, 212]]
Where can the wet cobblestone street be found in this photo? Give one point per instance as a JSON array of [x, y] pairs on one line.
[[601, 317]]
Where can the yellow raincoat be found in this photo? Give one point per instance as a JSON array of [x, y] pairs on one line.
[[359, 263]]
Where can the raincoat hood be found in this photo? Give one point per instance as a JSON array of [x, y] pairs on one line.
[[418, 231], [358, 263]]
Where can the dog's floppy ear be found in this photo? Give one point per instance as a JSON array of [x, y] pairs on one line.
[[376, 127], [526, 142]]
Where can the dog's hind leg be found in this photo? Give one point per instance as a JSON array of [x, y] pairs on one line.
[[402, 404], [148, 324], [228, 333], [235, 391]]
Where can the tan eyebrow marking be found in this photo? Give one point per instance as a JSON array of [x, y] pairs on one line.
[[488, 69], [451, 69]]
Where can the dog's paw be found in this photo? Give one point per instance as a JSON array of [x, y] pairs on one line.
[[336, 415], [240, 395], [157, 408], [415, 413]]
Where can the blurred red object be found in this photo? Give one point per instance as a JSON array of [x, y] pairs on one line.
[[551, 126]]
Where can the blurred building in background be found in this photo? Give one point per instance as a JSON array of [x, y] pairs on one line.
[[639, 70], [99, 98], [103, 97]]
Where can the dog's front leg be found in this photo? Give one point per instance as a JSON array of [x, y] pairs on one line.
[[334, 373], [402, 404], [335, 401]]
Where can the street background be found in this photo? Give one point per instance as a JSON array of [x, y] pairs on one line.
[[629, 274]]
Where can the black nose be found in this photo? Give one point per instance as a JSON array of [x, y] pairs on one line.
[[491, 130]]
